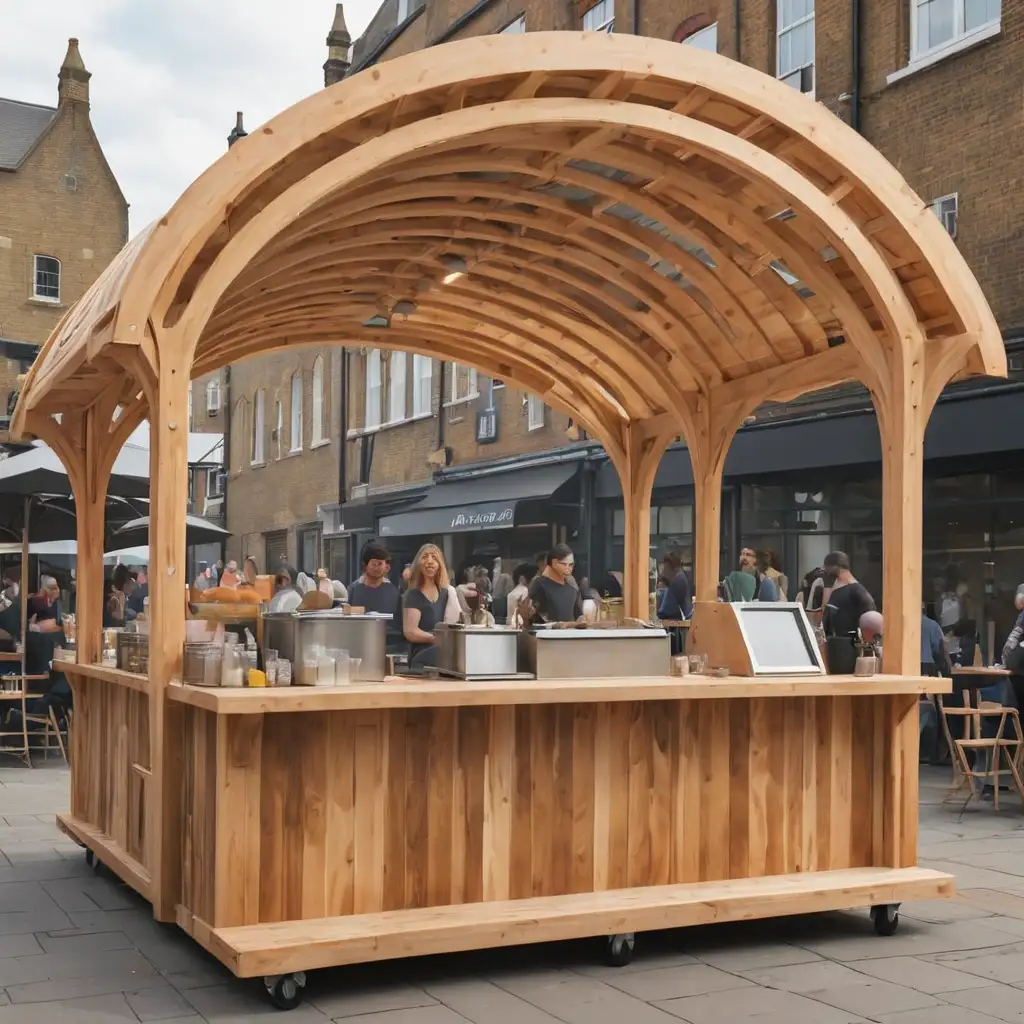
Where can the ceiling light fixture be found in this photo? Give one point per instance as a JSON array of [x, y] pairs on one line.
[[455, 267], [404, 307], [378, 321]]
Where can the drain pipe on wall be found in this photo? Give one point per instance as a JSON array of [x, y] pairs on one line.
[[855, 60], [737, 8], [636, 17]]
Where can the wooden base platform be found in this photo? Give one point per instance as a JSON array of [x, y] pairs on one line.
[[108, 852], [287, 946]]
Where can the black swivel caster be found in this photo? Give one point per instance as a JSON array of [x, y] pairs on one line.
[[285, 990], [618, 950], [885, 918], [90, 858]]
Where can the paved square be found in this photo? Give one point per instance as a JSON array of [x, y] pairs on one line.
[[76, 946]]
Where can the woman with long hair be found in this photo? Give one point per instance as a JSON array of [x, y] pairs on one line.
[[429, 601]]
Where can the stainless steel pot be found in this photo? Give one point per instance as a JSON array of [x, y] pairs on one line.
[[595, 653], [363, 636], [475, 652]]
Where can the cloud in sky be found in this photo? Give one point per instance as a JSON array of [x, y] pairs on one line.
[[168, 77]]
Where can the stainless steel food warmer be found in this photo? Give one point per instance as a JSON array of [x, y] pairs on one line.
[[476, 652], [363, 636], [594, 653]]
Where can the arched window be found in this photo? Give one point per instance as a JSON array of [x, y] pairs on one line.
[[319, 404], [396, 388], [296, 411], [696, 31], [256, 451], [46, 278], [373, 389]]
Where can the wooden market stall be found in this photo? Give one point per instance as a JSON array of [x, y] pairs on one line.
[[654, 239]]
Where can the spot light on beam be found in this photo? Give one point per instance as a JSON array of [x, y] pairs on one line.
[[454, 266]]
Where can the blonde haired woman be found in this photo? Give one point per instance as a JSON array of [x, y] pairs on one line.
[[430, 599]]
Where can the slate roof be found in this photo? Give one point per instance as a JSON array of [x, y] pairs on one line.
[[21, 127]]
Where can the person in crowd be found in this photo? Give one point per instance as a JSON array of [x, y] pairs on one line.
[[522, 574], [499, 596], [934, 656], [768, 565], [812, 589], [373, 590], [202, 581], [229, 578], [116, 611], [137, 600], [847, 598], [551, 597], [430, 600], [10, 593], [286, 595], [676, 601], [43, 607], [748, 583]]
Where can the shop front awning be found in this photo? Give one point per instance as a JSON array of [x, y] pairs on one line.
[[493, 502]]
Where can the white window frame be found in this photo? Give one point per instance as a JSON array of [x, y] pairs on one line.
[[961, 37], [535, 412], [214, 484], [374, 390], [514, 27], [936, 206], [191, 419], [403, 11], [36, 294], [319, 434], [256, 452], [212, 397], [278, 426], [397, 387], [295, 440], [422, 385], [472, 386], [600, 17], [782, 30], [700, 37]]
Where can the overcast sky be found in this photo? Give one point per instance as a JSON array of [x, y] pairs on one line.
[[168, 75]]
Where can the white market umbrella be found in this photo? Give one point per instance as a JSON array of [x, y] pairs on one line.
[[128, 556]]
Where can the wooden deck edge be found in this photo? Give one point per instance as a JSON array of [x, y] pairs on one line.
[[131, 871], [255, 950]]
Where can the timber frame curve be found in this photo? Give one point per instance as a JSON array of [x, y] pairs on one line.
[[657, 240]]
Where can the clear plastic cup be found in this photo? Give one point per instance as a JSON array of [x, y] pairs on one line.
[[341, 666]]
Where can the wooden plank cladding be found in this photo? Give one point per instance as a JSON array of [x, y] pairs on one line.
[[361, 812], [109, 744]]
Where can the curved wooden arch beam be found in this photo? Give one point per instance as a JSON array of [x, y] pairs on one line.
[[466, 123]]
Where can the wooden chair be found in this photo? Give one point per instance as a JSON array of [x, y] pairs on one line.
[[990, 751], [48, 729], [17, 696]]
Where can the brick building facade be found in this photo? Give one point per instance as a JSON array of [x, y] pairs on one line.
[[934, 86], [63, 216]]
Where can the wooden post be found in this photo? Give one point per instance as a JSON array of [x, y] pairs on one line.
[[168, 499], [637, 466]]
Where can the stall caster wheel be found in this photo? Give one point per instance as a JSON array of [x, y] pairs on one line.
[[885, 918], [618, 950], [285, 990], [90, 858]]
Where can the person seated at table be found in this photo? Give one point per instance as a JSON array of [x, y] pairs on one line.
[[429, 601], [551, 597], [43, 607]]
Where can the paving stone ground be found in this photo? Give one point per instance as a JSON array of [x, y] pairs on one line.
[[77, 947]]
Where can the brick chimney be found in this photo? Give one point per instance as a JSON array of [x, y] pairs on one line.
[[73, 79], [339, 42]]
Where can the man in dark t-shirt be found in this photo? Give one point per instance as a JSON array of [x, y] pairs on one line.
[[373, 590], [551, 598], [847, 599]]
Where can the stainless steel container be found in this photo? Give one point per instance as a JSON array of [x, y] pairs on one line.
[[476, 652], [201, 665], [595, 653], [363, 636], [133, 652]]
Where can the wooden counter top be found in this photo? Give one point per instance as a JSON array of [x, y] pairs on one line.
[[133, 680], [399, 692]]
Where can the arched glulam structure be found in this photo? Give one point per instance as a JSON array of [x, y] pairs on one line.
[[656, 240]]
